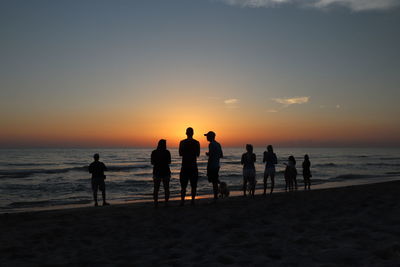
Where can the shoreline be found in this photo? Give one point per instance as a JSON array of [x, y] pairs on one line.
[[235, 193]]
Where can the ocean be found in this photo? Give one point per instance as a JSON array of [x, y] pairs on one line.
[[34, 179]]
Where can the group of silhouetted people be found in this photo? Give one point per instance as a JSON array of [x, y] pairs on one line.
[[189, 150]]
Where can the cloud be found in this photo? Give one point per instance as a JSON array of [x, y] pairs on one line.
[[231, 101], [354, 5], [290, 101]]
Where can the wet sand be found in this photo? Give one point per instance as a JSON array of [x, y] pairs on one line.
[[350, 226]]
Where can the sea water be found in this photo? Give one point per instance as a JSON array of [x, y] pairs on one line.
[[52, 178]]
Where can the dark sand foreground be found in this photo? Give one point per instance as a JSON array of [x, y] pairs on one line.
[[353, 226]]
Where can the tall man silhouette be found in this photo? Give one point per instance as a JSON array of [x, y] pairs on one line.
[[189, 150]]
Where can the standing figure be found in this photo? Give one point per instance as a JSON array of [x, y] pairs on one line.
[[160, 159], [291, 174], [270, 160], [189, 150], [97, 168], [249, 170], [214, 155], [307, 172]]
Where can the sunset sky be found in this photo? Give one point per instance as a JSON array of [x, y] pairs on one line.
[[127, 73]]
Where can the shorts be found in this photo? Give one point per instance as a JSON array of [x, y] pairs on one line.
[[213, 175], [164, 178], [189, 174], [269, 171], [98, 184], [307, 176], [249, 175]]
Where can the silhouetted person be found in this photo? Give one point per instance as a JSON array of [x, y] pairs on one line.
[[270, 160], [97, 168], [249, 170], [307, 172], [189, 150], [214, 155], [291, 174], [160, 159]]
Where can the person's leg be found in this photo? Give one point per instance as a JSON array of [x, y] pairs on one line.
[[157, 182], [166, 188], [272, 182], [183, 192], [215, 182], [193, 185], [295, 182], [215, 189], [286, 182], [265, 182], [184, 181], [253, 182], [102, 187], [95, 195], [103, 193], [244, 185]]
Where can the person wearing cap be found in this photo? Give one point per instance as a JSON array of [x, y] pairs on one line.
[[97, 168], [189, 150], [214, 155]]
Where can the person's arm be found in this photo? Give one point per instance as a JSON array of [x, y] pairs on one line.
[[275, 159], [254, 157], [152, 158], [264, 159], [168, 157], [180, 149], [222, 154], [198, 149], [242, 160], [104, 167], [90, 168]]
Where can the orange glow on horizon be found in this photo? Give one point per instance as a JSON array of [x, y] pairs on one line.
[[144, 126]]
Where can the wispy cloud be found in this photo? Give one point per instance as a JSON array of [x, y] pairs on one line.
[[354, 5], [293, 100], [231, 101]]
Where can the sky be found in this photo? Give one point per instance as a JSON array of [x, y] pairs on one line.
[[128, 73]]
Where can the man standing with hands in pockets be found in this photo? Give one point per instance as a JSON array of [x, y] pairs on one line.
[[214, 154]]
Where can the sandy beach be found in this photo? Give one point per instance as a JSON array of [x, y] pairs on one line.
[[350, 226]]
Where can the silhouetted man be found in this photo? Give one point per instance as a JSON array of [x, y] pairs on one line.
[[97, 168], [189, 150], [214, 154]]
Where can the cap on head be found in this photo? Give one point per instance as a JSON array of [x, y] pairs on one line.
[[189, 131], [210, 134], [96, 156]]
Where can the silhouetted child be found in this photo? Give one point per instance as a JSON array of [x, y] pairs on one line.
[[270, 160], [160, 159], [249, 170], [291, 174], [307, 172], [97, 168]]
